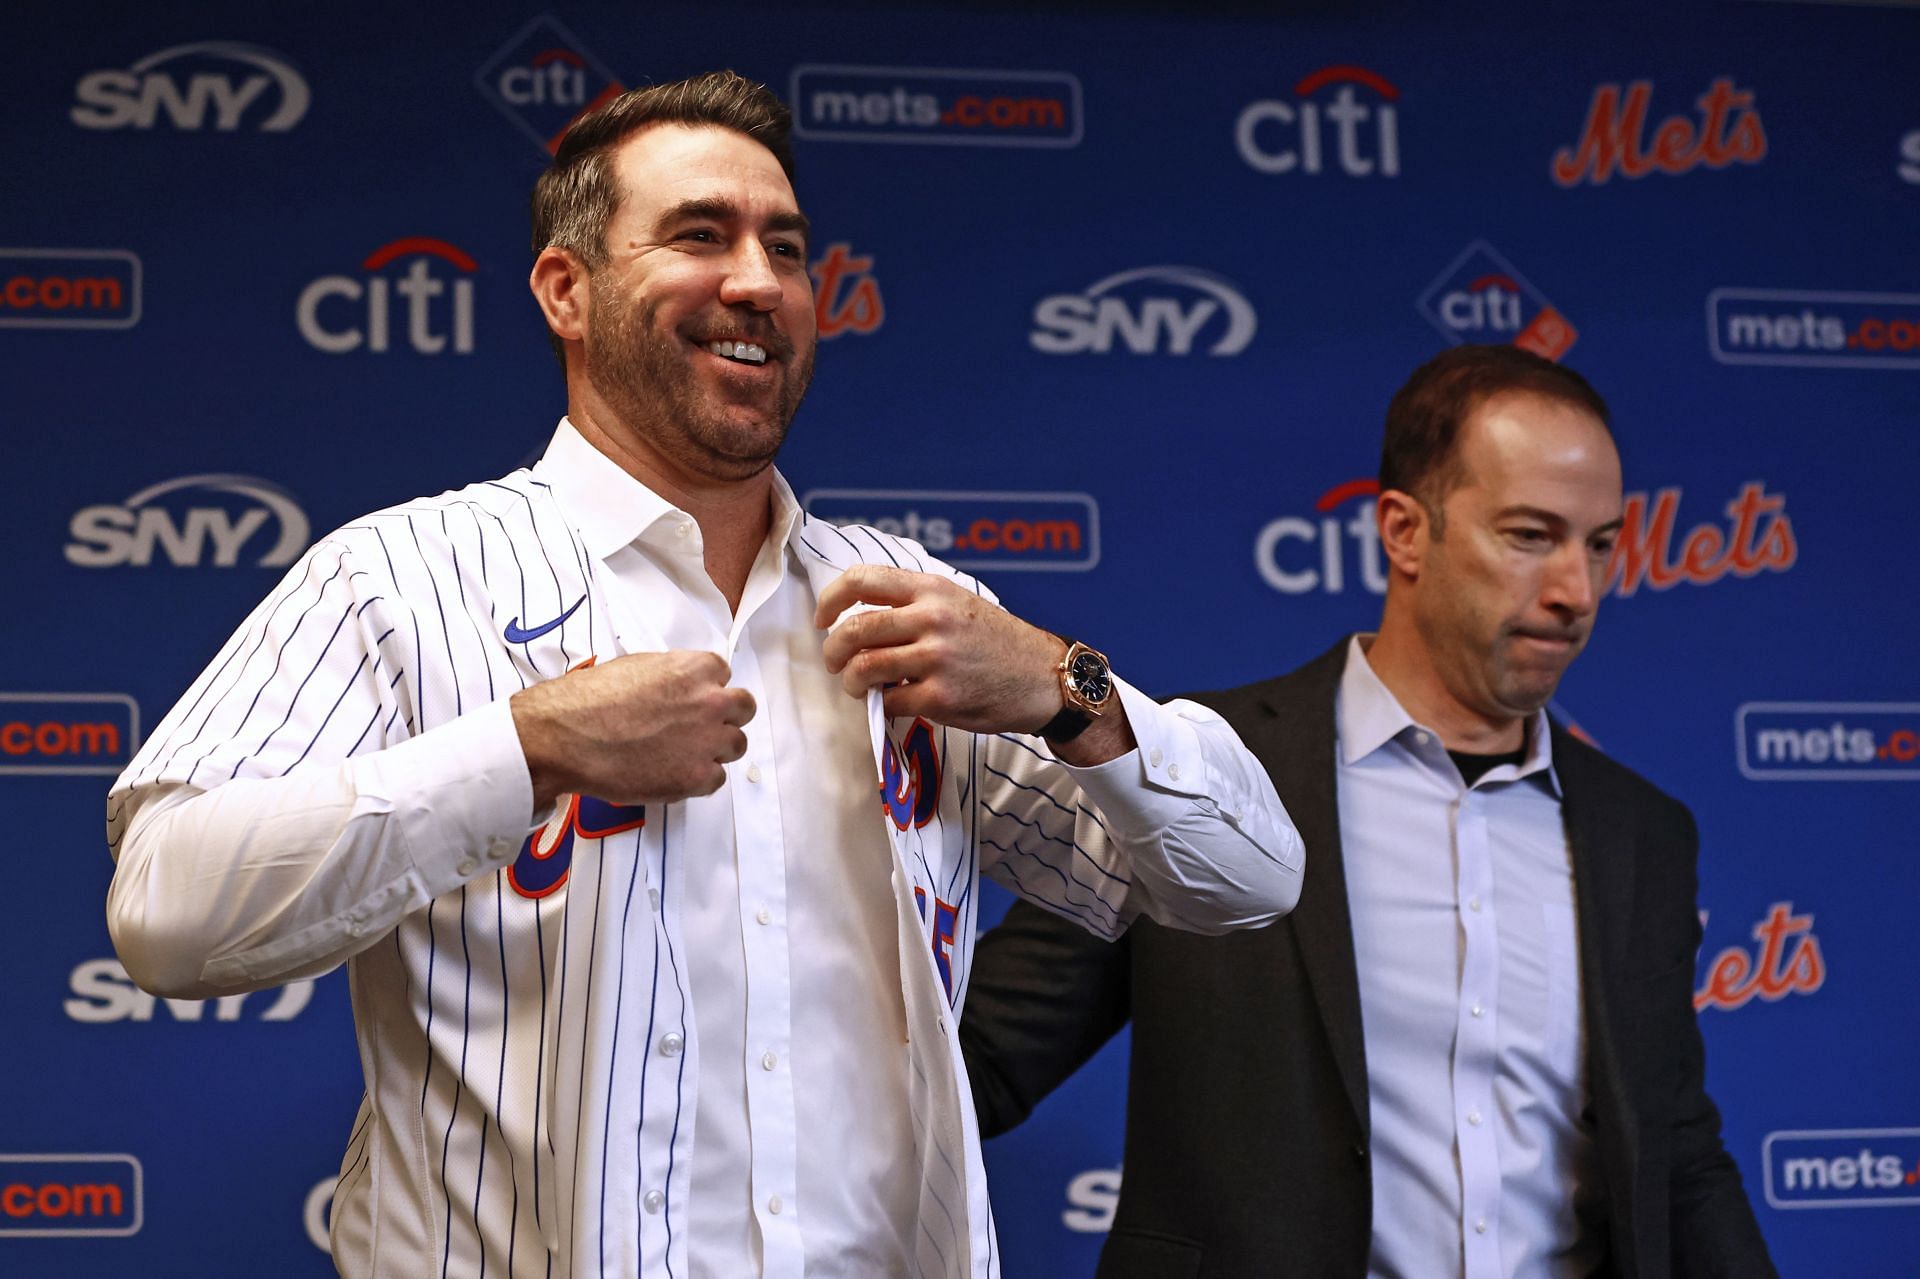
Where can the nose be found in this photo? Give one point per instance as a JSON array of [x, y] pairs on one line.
[[750, 279], [1571, 588]]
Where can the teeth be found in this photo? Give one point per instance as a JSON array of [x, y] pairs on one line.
[[746, 352]]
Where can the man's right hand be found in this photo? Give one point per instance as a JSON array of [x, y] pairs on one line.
[[647, 728]]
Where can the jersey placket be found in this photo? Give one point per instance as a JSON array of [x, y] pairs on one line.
[[1475, 1023], [753, 786]]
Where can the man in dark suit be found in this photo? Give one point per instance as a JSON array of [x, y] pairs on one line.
[[1471, 1050]]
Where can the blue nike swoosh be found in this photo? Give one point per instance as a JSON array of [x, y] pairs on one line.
[[514, 635]]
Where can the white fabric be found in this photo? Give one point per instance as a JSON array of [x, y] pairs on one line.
[[1466, 946], [344, 783]]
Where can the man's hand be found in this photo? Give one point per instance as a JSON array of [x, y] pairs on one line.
[[953, 657], [648, 728]]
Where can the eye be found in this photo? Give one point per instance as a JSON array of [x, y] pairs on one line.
[[786, 249], [1530, 537], [700, 235], [1603, 546]]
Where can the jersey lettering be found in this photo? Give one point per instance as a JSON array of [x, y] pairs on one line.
[[910, 784]]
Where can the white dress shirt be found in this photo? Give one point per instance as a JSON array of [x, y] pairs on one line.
[[550, 1024], [1462, 900]]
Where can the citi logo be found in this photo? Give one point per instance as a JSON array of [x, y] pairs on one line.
[[188, 80], [103, 994], [1482, 298], [216, 529], [1296, 555], [543, 79], [1614, 139], [343, 313], [1843, 1168], [1359, 136], [1152, 310]]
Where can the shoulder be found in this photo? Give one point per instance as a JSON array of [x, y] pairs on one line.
[[1592, 777]]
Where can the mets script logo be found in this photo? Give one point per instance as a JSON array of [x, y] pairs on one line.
[[1615, 137], [910, 777]]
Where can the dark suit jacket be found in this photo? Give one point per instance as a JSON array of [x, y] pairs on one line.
[[1247, 1120]]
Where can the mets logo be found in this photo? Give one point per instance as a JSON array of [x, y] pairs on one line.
[[910, 777], [547, 855]]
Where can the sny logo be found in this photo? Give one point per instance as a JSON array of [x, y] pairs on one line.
[[543, 80], [846, 297], [1152, 310], [1481, 298], [1276, 136], [1736, 977], [54, 734], [1843, 1168], [1041, 531], [107, 536], [355, 325], [69, 289], [103, 994], [1614, 139], [70, 1196], [135, 97], [1829, 741]]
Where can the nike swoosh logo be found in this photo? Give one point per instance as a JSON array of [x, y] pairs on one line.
[[515, 635]]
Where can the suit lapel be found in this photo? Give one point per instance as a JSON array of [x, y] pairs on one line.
[[1297, 744]]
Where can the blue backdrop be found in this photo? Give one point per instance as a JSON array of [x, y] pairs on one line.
[[1113, 303]]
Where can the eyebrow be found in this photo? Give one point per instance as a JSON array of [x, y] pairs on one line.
[[1557, 521], [714, 209]]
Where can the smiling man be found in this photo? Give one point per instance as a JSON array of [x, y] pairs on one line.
[[1471, 1052], [646, 811]]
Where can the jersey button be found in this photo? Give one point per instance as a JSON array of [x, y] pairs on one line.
[[653, 1200], [467, 866], [671, 1043]]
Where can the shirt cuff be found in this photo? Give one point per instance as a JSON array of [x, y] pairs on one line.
[[1152, 786], [460, 795]]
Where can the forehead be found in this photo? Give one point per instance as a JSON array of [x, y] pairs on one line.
[[1519, 447], [665, 165]]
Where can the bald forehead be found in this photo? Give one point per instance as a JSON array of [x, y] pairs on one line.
[[1527, 429]]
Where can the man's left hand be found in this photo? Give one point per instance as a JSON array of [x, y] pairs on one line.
[[952, 656]]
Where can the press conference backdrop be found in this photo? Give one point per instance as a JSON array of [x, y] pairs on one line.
[[1111, 303]]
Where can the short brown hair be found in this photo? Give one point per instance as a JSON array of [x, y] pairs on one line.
[[576, 196], [1425, 416]]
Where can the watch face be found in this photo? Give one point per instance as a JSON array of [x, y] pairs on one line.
[[1091, 678]]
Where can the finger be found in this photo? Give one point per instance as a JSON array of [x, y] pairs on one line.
[[732, 746], [905, 700], [874, 666], [709, 666], [882, 628], [712, 778], [738, 707], [870, 584]]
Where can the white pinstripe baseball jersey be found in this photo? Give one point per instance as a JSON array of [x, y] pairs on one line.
[[343, 783]]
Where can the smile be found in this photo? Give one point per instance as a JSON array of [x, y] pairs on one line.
[[739, 352]]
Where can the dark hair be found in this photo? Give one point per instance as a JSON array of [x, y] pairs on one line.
[[576, 196], [1420, 455]]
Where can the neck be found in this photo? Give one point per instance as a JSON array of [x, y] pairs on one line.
[[734, 515], [1405, 665]]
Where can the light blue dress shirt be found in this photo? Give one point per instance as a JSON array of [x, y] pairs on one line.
[[1467, 949]]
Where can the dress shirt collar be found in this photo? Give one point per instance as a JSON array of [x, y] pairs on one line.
[[612, 509], [1371, 716]]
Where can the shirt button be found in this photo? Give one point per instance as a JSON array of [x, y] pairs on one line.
[[1173, 772], [1473, 1117], [1479, 1011], [683, 528], [1154, 757], [769, 1061], [467, 866], [1422, 738], [774, 1205], [763, 916], [653, 898], [671, 1044], [753, 772], [355, 928], [653, 1199], [1473, 904], [1480, 1226]]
